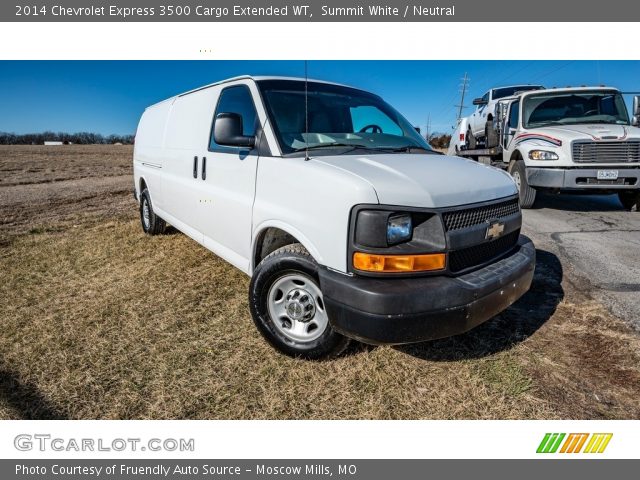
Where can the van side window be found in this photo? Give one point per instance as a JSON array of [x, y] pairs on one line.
[[514, 114], [238, 100]]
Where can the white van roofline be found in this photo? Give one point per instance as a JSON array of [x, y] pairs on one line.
[[248, 77]]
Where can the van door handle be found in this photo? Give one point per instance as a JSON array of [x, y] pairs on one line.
[[195, 167], [204, 168]]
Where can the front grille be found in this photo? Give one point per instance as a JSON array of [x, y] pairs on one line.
[[459, 219], [479, 254], [606, 152]]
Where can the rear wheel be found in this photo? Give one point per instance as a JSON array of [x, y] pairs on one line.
[[287, 305], [470, 140], [630, 200], [151, 223], [518, 171], [490, 135]]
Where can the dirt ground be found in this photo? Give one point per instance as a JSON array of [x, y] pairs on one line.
[[100, 321]]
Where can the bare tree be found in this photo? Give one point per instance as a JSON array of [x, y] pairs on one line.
[[82, 138]]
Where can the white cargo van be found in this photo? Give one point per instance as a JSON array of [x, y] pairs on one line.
[[348, 223]]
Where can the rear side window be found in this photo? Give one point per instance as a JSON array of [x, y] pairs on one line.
[[236, 100]]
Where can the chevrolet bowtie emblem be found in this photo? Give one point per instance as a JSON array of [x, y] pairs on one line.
[[494, 230]]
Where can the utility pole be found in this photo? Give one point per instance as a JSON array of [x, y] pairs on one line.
[[428, 127], [463, 89]]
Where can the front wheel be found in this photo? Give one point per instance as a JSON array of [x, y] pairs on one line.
[[518, 171], [287, 305], [630, 200]]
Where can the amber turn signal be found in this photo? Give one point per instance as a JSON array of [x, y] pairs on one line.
[[368, 262]]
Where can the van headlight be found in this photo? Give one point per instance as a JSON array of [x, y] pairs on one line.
[[381, 228], [542, 155], [399, 229], [389, 241]]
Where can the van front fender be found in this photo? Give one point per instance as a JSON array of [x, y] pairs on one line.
[[290, 230]]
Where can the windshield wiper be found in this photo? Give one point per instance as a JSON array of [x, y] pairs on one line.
[[409, 148], [329, 145], [356, 146]]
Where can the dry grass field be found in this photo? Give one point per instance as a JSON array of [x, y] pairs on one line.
[[99, 321]]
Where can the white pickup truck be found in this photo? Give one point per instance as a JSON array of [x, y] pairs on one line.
[[479, 123], [348, 223], [565, 139]]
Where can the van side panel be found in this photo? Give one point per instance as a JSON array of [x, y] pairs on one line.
[[149, 154], [186, 138]]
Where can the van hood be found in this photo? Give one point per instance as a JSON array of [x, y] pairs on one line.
[[425, 180], [588, 132]]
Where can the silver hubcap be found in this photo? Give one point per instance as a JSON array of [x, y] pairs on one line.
[[296, 307], [146, 214], [516, 177]]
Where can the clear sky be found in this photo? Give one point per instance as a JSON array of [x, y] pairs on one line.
[[109, 96]]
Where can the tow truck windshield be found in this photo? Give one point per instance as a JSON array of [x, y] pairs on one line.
[[571, 108]]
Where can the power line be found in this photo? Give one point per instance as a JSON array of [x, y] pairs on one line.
[[546, 74], [513, 74]]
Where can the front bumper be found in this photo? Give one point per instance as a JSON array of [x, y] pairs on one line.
[[582, 178], [409, 310]]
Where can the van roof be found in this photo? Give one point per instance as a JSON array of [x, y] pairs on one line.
[[247, 77]]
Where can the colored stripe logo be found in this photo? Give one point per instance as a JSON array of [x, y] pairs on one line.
[[574, 443], [539, 137]]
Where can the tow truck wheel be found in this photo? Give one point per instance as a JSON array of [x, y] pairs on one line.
[[470, 140], [490, 136], [630, 200], [518, 171]]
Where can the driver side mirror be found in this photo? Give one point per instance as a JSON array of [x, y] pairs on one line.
[[479, 101], [227, 131], [635, 121]]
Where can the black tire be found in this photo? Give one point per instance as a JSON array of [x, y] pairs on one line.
[[630, 200], [154, 225], [490, 135], [287, 261], [470, 140], [518, 171]]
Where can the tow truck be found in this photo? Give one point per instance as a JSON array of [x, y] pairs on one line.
[[577, 139]]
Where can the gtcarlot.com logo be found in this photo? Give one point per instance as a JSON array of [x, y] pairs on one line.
[[44, 442], [574, 443]]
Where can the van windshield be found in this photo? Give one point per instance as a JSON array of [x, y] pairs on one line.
[[571, 108], [333, 116]]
